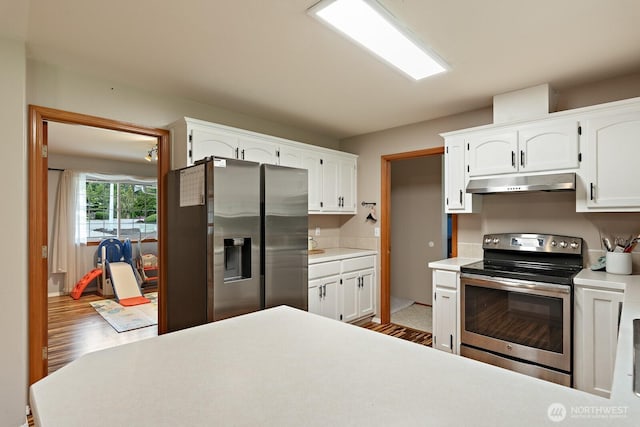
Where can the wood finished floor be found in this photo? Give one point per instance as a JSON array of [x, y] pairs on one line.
[[76, 328]]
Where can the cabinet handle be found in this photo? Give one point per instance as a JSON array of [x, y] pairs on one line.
[[320, 289], [237, 149], [243, 154], [619, 314], [522, 158], [451, 342], [460, 196], [513, 159], [324, 294], [591, 191]]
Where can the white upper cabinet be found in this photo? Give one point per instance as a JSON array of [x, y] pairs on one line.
[[548, 146], [256, 149], [611, 177], [457, 200], [332, 174], [544, 146], [204, 143], [492, 153]]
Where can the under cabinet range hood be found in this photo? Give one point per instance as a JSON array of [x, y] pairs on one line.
[[522, 183]]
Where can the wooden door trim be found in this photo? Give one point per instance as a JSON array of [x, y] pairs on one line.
[[385, 225], [38, 231]]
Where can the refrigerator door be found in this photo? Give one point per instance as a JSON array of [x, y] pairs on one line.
[[285, 241], [189, 199], [236, 239]]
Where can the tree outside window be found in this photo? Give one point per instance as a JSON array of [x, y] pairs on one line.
[[121, 210]]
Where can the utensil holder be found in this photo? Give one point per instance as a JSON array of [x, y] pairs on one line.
[[618, 263]]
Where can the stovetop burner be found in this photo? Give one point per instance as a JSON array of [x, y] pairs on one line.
[[562, 275], [533, 257]]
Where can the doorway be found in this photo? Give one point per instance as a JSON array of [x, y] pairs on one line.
[[39, 117], [386, 225]]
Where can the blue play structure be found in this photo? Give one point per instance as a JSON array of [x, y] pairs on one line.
[[111, 253]]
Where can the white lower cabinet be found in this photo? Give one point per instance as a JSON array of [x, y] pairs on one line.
[[323, 297], [596, 321], [344, 289], [357, 294], [445, 310]]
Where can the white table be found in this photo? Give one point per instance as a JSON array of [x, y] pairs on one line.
[[285, 367]]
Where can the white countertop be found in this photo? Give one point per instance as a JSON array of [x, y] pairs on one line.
[[452, 264], [285, 367], [337, 254]]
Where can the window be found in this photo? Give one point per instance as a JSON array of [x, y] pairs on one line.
[[120, 209]]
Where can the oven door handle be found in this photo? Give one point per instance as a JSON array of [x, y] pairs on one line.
[[502, 283]]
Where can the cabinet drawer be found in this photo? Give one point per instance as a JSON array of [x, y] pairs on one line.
[[446, 279], [324, 269], [360, 263]]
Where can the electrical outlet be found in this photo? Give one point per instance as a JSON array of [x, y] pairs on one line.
[[376, 231], [317, 231]]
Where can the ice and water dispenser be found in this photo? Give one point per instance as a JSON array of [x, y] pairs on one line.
[[237, 258]]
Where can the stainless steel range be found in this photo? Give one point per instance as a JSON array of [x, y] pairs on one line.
[[516, 304]]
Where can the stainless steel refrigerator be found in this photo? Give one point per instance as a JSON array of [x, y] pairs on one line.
[[237, 240]]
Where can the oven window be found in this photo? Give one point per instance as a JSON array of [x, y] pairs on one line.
[[530, 320]]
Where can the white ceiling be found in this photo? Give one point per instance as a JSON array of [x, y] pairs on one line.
[[269, 59]]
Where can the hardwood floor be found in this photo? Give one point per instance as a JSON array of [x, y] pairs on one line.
[[402, 332], [75, 329]]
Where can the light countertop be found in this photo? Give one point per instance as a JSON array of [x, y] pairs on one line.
[[337, 254], [286, 367], [452, 264]]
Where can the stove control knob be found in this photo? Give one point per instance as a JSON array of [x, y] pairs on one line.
[[554, 243], [487, 240], [563, 244], [574, 245], [496, 240]]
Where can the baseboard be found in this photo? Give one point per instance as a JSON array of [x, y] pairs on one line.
[[376, 320], [55, 294]]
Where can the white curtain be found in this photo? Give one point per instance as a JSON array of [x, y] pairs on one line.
[[68, 227], [69, 221]]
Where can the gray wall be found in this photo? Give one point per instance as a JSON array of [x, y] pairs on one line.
[[417, 218], [13, 253]]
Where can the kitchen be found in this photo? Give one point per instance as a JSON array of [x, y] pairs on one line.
[[47, 82]]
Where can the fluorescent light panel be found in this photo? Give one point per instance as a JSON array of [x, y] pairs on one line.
[[367, 23]]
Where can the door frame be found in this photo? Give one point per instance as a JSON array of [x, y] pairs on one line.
[[38, 227], [385, 225]]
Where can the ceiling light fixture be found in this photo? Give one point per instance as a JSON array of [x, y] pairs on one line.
[[152, 154], [369, 24]]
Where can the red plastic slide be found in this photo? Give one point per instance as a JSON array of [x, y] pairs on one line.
[[82, 283]]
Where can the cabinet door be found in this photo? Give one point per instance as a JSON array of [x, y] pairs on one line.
[[311, 162], [291, 157], [548, 146], [491, 154], [330, 184], [258, 150], [315, 296], [454, 178], [329, 306], [366, 293], [613, 150], [347, 185], [445, 333], [205, 143], [597, 318], [350, 288]]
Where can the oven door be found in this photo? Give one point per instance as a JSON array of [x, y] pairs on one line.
[[530, 321]]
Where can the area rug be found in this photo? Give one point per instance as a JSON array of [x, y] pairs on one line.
[[128, 318]]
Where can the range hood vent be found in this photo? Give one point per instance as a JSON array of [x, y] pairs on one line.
[[522, 183]]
